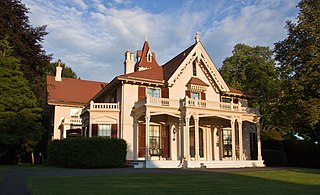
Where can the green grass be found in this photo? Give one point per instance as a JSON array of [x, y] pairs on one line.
[[295, 181]]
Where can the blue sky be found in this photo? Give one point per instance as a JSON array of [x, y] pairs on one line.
[[91, 36]]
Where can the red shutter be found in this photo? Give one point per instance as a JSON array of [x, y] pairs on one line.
[[165, 92], [141, 92], [165, 141], [94, 130], [142, 140], [114, 130], [188, 93], [203, 95]]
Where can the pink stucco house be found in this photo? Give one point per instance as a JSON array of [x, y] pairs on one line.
[[179, 114]]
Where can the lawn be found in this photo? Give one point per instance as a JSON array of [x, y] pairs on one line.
[[293, 181]]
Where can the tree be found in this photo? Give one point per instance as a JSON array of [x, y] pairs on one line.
[[299, 66], [20, 116], [252, 69], [67, 72], [26, 41]]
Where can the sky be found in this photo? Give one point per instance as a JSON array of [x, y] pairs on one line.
[[91, 36]]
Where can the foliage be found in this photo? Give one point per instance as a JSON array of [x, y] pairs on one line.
[[272, 144], [298, 107], [67, 72], [274, 158], [26, 41], [82, 152], [252, 69], [302, 153], [20, 129]]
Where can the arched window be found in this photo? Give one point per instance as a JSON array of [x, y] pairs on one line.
[[194, 68], [149, 56]]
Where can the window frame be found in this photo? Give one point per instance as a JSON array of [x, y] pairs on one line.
[[105, 130], [153, 94]]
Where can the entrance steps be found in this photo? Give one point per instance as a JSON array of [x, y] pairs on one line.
[[196, 164]]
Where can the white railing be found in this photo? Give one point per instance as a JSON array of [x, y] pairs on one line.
[[73, 120], [151, 101], [210, 104], [188, 102], [104, 106]]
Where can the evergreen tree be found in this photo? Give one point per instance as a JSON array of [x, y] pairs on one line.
[[26, 41], [20, 116], [299, 59]]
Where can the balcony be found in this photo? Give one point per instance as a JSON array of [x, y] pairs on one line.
[[188, 102]]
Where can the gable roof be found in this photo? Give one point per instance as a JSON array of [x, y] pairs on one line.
[[143, 62], [71, 91], [197, 81], [170, 67], [155, 73]]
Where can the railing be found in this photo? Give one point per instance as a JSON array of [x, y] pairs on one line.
[[158, 102], [188, 102], [210, 104], [73, 120], [104, 106]]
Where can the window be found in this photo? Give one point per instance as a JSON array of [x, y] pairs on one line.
[[154, 140], [226, 100], [195, 95], [194, 68], [149, 56], [104, 130], [152, 92], [227, 143]]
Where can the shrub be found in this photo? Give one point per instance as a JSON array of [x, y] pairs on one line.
[[82, 152], [274, 158], [301, 153], [272, 144]]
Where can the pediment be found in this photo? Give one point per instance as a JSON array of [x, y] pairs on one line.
[[202, 58]]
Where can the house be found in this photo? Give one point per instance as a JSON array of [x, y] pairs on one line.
[[66, 97], [180, 114]]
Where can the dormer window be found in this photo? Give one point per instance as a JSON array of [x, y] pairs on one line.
[[194, 68], [149, 56]]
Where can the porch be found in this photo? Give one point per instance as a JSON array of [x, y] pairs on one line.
[[195, 133]]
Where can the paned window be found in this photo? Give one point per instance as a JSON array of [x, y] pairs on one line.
[[227, 143], [194, 68], [154, 139], [195, 95], [104, 130], [153, 92]]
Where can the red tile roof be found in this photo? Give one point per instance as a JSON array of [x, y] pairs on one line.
[[155, 73], [235, 91], [143, 62], [170, 67], [71, 91], [197, 81]]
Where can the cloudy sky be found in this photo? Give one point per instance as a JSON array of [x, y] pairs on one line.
[[91, 36]]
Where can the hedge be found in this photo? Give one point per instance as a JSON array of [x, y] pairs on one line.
[[274, 158], [83, 152], [302, 153]]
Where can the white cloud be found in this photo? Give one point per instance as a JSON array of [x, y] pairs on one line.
[[92, 36]]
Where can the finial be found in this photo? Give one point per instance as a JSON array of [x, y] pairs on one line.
[[197, 37], [146, 37]]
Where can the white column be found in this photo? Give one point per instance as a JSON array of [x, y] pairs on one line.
[[181, 138], [240, 140], [173, 140], [233, 135], [259, 141], [196, 131], [187, 140], [135, 139], [215, 141], [209, 143], [147, 118], [90, 125]]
